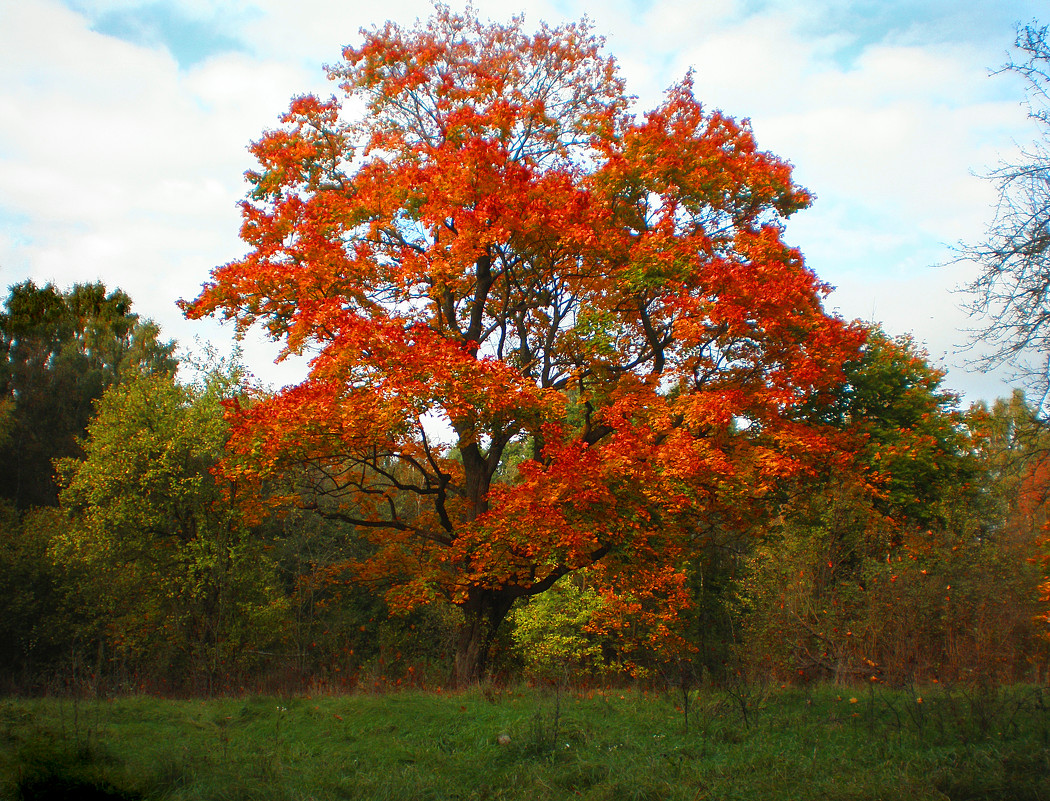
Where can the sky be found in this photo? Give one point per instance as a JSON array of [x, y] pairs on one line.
[[124, 127]]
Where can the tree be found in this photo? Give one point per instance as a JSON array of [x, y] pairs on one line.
[[910, 561], [500, 246], [171, 585], [904, 428], [58, 353], [1012, 291], [29, 638], [1015, 446]]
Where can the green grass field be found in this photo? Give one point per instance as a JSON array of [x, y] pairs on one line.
[[823, 743]]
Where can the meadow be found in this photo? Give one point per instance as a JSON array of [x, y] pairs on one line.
[[745, 742]]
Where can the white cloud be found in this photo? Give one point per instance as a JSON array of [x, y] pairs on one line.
[[117, 166], [117, 163], [887, 135], [315, 31]]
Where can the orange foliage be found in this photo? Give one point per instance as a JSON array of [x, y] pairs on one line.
[[499, 245]]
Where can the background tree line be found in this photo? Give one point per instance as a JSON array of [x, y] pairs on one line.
[[126, 561]]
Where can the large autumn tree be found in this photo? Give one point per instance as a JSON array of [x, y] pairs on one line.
[[545, 332]]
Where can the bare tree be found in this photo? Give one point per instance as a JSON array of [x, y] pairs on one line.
[[1012, 292]]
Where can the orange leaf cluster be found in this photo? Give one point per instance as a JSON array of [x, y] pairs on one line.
[[598, 309]]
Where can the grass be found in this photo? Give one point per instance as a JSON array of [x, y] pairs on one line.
[[822, 743]]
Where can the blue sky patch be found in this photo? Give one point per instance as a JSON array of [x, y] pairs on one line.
[[190, 40], [904, 22]]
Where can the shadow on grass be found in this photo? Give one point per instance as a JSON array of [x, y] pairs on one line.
[[51, 768], [52, 786]]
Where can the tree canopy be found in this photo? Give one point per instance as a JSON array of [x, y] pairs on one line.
[[500, 245], [59, 350], [167, 574], [1012, 291]]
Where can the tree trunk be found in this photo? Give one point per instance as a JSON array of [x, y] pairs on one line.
[[483, 613]]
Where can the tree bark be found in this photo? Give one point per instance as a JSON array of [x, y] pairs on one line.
[[483, 613]]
